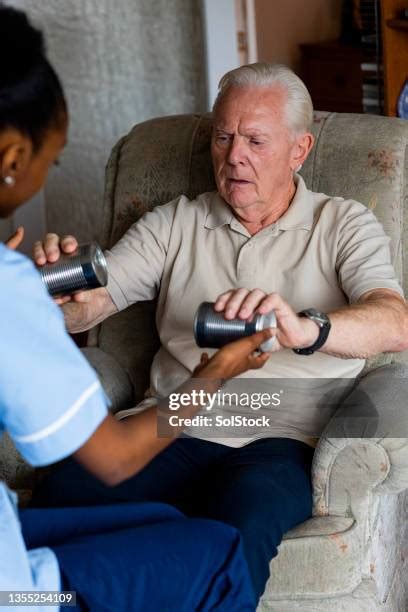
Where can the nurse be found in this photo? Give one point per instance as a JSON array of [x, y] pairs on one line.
[[126, 557]]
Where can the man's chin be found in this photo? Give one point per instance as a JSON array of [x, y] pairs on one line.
[[237, 203], [234, 199]]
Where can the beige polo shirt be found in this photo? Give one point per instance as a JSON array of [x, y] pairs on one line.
[[323, 253]]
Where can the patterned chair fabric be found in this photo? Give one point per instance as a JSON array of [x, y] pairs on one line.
[[352, 555], [358, 535]]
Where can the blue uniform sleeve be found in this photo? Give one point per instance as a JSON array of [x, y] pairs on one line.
[[50, 398]]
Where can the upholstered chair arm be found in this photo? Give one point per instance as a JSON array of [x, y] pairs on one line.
[[364, 448], [113, 377]]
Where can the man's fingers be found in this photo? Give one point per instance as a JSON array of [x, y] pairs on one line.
[[234, 303], [39, 255], [82, 296], [222, 300], [243, 303], [62, 300], [251, 303], [69, 244], [50, 249], [16, 239], [275, 302]]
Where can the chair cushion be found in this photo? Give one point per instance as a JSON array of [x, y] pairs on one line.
[[334, 541], [113, 377]]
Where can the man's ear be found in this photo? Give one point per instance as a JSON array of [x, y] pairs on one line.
[[301, 149], [15, 154]]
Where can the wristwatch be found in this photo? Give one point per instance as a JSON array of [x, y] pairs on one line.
[[323, 321]]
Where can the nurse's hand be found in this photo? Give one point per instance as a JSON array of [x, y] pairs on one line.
[[235, 358], [49, 251], [16, 239]]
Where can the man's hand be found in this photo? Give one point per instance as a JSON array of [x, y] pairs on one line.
[[16, 239], [351, 335], [84, 309], [291, 332], [234, 358], [49, 251]]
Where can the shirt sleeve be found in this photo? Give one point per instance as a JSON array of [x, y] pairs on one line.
[[136, 262], [363, 256], [50, 398]]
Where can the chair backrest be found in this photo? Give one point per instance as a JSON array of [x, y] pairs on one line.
[[358, 156]]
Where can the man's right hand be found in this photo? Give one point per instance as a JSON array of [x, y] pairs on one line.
[[49, 251], [84, 309]]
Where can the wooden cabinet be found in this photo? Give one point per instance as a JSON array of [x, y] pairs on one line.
[[395, 51], [333, 76], [341, 77]]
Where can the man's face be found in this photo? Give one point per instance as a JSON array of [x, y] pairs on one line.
[[252, 149]]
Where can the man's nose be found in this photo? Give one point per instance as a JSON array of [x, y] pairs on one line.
[[235, 152]]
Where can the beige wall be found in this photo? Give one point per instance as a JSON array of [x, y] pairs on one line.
[[283, 24], [121, 62]]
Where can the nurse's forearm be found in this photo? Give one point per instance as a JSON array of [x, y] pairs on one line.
[[120, 449]]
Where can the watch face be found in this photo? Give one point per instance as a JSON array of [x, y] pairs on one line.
[[320, 318], [323, 321]]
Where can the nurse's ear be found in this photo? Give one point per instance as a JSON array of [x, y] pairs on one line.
[[16, 151]]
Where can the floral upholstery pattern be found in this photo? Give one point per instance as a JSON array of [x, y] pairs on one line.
[[360, 503], [352, 556]]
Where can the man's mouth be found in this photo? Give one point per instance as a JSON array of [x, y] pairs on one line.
[[235, 181]]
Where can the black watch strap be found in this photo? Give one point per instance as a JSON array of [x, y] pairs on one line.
[[323, 321]]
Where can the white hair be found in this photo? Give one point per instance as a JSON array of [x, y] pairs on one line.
[[299, 106]]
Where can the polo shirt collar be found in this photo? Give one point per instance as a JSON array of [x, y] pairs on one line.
[[219, 214], [299, 215]]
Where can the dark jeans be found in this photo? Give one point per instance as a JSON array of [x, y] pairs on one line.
[[143, 558], [263, 489]]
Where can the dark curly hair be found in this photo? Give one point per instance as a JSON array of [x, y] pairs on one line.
[[31, 96]]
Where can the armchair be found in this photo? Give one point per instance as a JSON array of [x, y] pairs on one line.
[[352, 555]]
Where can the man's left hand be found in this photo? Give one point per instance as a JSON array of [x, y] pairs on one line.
[[291, 331]]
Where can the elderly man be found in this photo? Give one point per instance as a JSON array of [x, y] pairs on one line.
[[321, 263]]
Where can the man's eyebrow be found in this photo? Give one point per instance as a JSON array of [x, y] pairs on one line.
[[257, 133], [254, 131]]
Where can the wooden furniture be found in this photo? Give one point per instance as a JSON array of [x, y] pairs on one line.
[[333, 71], [333, 76], [395, 51]]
